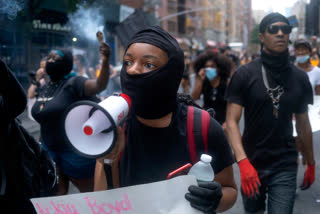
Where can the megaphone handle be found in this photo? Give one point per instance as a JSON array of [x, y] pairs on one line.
[[107, 130], [115, 174], [92, 111], [112, 174], [108, 174]]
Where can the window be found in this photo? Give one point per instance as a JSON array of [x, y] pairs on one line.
[[172, 26]]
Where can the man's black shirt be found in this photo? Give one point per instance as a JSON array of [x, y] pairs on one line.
[[268, 142]]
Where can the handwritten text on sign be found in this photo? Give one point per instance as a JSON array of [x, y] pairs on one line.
[[160, 197]]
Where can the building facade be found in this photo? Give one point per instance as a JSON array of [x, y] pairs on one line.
[[30, 36], [239, 22], [213, 24], [312, 18], [299, 10]]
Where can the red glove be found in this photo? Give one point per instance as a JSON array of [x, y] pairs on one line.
[[309, 176], [250, 182]]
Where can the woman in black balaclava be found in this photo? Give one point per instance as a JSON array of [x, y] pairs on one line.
[[63, 89], [156, 141], [154, 93]]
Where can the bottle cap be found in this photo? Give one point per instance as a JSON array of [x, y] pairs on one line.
[[206, 158]]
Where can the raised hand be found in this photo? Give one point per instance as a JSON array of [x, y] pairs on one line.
[[105, 51]]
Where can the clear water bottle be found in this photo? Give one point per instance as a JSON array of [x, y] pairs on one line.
[[202, 170]]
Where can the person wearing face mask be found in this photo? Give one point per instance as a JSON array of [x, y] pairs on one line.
[[271, 90], [156, 140], [212, 74], [303, 53], [63, 89]]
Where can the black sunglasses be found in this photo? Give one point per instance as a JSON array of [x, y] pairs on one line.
[[273, 29]]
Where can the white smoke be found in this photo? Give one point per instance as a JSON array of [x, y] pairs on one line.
[[86, 21], [11, 7]]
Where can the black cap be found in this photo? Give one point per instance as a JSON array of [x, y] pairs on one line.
[[270, 19], [302, 42]]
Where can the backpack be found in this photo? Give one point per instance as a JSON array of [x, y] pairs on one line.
[[198, 121], [37, 168]]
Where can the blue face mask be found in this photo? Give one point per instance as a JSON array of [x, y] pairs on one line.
[[211, 73], [302, 59], [74, 68]]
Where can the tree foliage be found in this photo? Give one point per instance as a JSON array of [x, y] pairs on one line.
[[255, 35]]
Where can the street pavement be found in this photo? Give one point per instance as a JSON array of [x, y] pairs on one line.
[[307, 202]]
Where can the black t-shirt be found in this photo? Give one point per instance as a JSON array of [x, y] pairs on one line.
[[268, 142], [152, 153], [215, 98], [49, 108]]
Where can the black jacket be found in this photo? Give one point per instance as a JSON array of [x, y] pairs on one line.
[[12, 103]]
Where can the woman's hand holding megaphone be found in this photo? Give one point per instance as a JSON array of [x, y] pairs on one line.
[[100, 180], [114, 155]]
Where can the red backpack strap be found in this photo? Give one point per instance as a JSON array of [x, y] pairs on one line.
[[198, 121], [190, 135], [205, 123]]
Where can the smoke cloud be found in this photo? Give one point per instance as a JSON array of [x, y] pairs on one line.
[[86, 21], [11, 7]]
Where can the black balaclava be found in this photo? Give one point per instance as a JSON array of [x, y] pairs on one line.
[[154, 93], [276, 65], [58, 69]]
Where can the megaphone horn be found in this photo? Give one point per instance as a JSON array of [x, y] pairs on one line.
[[91, 128]]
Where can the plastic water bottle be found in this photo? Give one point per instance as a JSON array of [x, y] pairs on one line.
[[202, 170]]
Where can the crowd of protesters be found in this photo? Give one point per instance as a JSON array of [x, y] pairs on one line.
[[272, 88]]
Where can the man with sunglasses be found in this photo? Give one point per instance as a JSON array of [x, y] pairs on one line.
[[270, 89]]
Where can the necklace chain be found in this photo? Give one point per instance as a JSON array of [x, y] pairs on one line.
[[278, 90]]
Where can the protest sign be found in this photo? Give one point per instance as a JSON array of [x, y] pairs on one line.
[[159, 197]]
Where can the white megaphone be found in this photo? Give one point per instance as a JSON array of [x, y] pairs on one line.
[[91, 128]]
